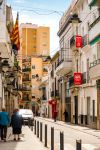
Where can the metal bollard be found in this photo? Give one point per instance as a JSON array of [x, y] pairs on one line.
[[78, 145], [37, 128], [34, 126], [41, 131], [52, 138], [45, 142], [61, 141]]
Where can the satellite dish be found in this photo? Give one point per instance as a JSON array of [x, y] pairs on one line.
[[1, 1]]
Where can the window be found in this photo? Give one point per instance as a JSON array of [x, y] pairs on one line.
[[45, 33], [33, 76], [44, 44], [33, 67]]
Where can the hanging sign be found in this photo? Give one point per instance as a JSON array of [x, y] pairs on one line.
[[78, 41], [77, 78]]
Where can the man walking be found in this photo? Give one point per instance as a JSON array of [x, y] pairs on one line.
[[4, 121]]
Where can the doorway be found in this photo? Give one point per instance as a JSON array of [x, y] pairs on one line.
[[76, 109], [88, 110]]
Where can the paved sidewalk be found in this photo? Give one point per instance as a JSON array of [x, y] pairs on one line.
[[28, 141], [83, 129]]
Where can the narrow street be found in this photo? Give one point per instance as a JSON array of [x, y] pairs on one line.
[[90, 138]]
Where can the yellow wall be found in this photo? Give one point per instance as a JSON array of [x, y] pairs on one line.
[[35, 41], [37, 62], [43, 41]]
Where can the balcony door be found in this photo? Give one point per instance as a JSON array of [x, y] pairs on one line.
[[88, 110]]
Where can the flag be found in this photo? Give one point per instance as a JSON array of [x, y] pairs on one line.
[[15, 35]]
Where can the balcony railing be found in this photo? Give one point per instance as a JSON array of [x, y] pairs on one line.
[[26, 60], [24, 88], [26, 79], [64, 57], [96, 62], [26, 69], [85, 40], [26, 98]]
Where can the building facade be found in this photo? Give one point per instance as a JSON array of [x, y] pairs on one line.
[[8, 97], [84, 108]]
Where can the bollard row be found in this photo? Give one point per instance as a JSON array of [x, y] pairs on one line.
[[39, 132]]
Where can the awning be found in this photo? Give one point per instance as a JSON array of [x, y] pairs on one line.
[[95, 40]]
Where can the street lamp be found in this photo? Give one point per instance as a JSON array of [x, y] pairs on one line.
[[75, 21], [5, 66]]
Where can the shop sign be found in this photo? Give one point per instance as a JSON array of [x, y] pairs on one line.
[[78, 41], [77, 78]]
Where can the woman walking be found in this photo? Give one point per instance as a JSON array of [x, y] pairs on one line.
[[16, 123]]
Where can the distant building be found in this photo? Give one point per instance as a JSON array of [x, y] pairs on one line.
[[35, 47]]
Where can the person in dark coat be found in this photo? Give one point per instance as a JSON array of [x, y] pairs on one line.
[[65, 115], [16, 123], [4, 122]]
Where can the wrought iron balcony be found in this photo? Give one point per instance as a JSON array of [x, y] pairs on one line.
[[26, 79], [26, 60], [93, 64], [65, 63], [26, 69], [24, 88]]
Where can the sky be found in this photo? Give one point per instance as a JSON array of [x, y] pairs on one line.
[[43, 13]]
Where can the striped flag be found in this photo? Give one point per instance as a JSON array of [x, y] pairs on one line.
[[15, 35]]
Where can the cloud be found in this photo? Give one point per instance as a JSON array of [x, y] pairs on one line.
[[19, 1]]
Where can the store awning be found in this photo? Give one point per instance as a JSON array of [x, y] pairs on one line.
[[95, 40]]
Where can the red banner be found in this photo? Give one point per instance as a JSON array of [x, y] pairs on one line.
[[77, 78], [78, 41]]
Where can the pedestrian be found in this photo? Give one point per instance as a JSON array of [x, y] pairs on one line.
[[65, 115], [4, 122], [16, 123], [55, 116]]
